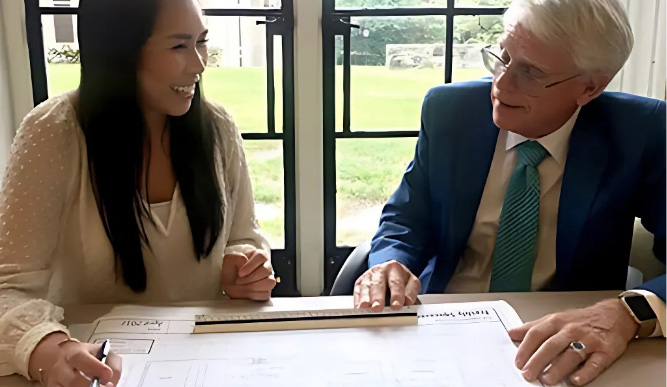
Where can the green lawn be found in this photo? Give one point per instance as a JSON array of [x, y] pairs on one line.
[[368, 171]]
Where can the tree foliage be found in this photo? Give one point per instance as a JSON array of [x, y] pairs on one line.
[[369, 42]]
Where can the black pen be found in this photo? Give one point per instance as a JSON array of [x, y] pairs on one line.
[[102, 356]]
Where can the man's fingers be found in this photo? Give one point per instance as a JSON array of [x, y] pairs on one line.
[[365, 291], [564, 365], [260, 273], [378, 289], [412, 290], [396, 281], [535, 337], [370, 290], [518, 334], [595, 364], [545, 354], [357, 292]]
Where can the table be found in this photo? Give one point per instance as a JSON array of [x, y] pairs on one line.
[[644, 363]]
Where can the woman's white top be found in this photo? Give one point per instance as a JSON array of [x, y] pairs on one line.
[[53, 247]]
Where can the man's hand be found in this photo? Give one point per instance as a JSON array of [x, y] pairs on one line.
[[371, 287], [248, 275], [604, 328]]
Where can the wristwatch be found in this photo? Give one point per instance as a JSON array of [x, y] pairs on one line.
[[641, 312]]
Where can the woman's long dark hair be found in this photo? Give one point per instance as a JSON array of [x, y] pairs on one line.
[[111, 35]]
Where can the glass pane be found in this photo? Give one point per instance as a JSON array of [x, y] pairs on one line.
[[265, 162], [389, 3], [339, 82], [482, 3], [471, 34], [236, 73], [61, 46], [58, 3], [278, 80], [367, 174], [240, 3], [395, 61], [204, 3]]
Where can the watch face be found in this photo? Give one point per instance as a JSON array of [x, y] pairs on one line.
[[640, 307]]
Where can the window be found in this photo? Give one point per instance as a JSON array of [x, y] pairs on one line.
[[380, 58], [251, 55], [64, 28]]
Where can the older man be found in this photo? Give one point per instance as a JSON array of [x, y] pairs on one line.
[[535, 188]]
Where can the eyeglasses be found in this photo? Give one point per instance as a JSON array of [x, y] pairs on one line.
[[525, 82]]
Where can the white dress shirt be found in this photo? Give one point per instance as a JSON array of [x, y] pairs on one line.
[[473, 273]]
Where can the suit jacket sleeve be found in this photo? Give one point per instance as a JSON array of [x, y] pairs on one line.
[[404, 234]]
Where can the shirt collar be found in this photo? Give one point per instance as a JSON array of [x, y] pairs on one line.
[[556, 143]]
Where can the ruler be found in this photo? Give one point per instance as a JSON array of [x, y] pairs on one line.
[[300, 320]]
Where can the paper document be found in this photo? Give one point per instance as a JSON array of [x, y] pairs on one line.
[[452, 345]]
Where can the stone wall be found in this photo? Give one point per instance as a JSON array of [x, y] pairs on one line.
[[432, 55]]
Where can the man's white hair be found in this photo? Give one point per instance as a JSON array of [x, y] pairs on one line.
[[596, 32]]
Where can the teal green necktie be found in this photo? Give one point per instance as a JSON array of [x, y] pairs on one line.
[[514, 254]]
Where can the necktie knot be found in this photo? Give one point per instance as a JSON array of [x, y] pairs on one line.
[[531, 153]]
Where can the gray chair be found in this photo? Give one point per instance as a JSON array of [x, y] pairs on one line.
[[642, 257], [357, 263]]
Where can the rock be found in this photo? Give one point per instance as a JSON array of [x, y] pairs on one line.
[[432, 55]]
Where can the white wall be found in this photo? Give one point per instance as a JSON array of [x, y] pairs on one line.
[[309, 138]]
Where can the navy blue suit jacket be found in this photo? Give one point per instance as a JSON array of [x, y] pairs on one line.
[[615, 171]]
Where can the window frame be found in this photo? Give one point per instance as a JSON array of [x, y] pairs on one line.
[[337, 22]]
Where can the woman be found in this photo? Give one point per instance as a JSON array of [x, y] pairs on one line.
[[130, 189]]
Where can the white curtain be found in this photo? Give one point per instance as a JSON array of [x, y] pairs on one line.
[[6, 106], [644, 73], [15, 86]]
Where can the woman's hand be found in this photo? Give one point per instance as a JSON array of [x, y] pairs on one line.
[[248, 275], [70, 363]]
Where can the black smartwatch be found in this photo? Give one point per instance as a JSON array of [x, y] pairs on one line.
[[641, 312]]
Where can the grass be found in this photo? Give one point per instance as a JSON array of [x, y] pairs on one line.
[[368, 171]]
